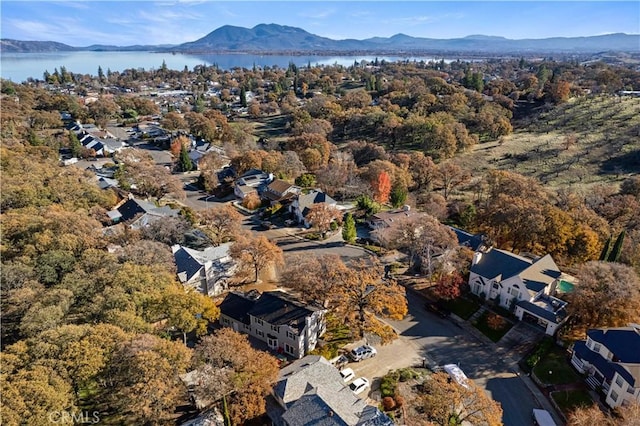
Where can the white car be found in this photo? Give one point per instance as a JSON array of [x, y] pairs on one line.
[[362, 352], [359, 385], [347, 375]]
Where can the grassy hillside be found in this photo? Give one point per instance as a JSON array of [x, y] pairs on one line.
[[583, 142]]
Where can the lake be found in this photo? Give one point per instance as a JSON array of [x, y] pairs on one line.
[[18, 67]]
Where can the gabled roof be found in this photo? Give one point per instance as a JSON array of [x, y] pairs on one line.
[[133, 207], [189, 262], [623, 342], [237, 306], [279, 186], [305, 201], [604, 366], [474, 242], [314, 394], [278, 308], [540, 274], [496, 262]]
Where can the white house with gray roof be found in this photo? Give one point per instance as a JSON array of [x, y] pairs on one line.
[[310, 391], [301, 206], [286, 324], [523, 285], [207, 271]]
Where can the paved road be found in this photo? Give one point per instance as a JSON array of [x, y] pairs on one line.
[[446, 343]]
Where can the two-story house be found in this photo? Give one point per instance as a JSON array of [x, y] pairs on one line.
[[275, 317], [611, 359], [140, 213], [523, 285], [310, 391], [301, 206], [208, 270]]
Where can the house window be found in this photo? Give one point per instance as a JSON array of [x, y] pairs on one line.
[[495, 285], [260, 333], [247, 327], [291, 335], [630, 389], [259, 321], [288, 349], [273, 343], [619, 381], [275, 328], [596, 347], [614, 396]]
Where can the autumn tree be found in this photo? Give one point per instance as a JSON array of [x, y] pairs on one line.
[[188, 311], [256, 252], [450, 176], [608, 295], [355, 291], [220, 224], [447, 403], [382, 187], [625, 414], [322, 215], [177, 144], [209, 165], [143, 379], [228, 365], [423, 236], [140, 173], [449, 286]]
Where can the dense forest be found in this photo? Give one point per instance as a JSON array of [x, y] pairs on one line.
[[95, 321]]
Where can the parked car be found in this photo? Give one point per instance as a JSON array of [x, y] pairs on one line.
[[437, 308], [359, 385], [347, 375], [362, 352], [339, 361]]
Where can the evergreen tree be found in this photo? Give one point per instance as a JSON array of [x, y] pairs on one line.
[[349, 229], [614, 256], [74, 144], [184, 163], [398, 195], [100, 73], [605, 250], [243, 97]]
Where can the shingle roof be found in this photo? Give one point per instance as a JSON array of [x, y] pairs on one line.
[[623, 342], [237, 306], [604, 366], [133, 207], [555, 317], [535, 275], [474, 242], [189, 261], [279, 186], [305, 201], [314, 394], [279, 308], [496, 262]]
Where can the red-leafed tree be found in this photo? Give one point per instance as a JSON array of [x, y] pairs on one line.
[[382, 187], [449, 286]]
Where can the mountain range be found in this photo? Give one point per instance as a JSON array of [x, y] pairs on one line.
[[273, 38]]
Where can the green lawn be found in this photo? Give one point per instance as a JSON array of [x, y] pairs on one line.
[[462, 307], [554, 368], [493, 334], [569, 400]]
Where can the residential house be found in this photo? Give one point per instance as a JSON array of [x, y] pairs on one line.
[[140, 213], [310, 391], [253, 181], [611, 359], [281, 191], [524, 285], [207, 271], [473, 242], [301, 206], [388, 219], [285, 323]]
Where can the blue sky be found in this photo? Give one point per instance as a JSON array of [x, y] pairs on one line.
[[82, 23]]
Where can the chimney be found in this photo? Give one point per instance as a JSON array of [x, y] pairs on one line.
[[476, 258]]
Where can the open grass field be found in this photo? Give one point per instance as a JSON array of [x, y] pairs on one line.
[[589, 140]]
